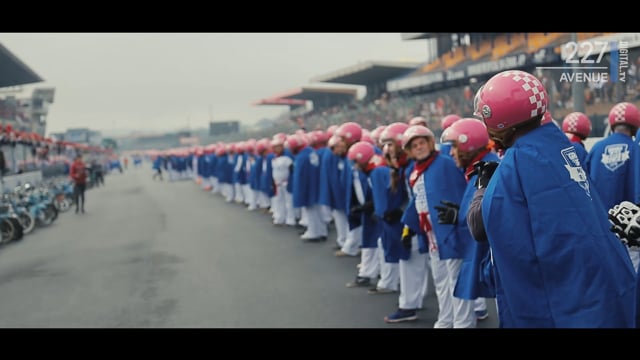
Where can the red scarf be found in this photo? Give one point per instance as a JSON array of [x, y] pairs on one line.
[[376, 161], [421, 166], [477, 158], [575, 139]]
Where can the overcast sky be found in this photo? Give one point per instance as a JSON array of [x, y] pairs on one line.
[[166, 81]]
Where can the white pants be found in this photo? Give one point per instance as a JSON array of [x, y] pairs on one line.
[[326, 213], [282, 207], [239, 195], [369, 263], [316, 227], [342, 226], [389, 272], [480, 304], [263, 200], [414, 278], [453, 312], [247, 194], [353, 241], [215, 185], [227, 192]]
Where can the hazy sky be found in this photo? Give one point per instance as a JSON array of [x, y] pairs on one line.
[[166, 81]]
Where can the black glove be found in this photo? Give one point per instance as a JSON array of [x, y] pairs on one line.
[[625, 223], [407, 235], [366, 208], [484, 170], [393, 216], [447, 214]]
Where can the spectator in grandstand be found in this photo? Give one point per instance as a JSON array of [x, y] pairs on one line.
[[556, 264]]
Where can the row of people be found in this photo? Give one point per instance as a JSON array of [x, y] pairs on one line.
[[514, 210]]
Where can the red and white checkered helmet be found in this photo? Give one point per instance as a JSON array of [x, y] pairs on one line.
[[418, 120], [448, 120], [394, 132], [624, 113], [469, 134], [278, 139], [577, 123], [351, 132], [509, 98], [414, 132], [361, 152]]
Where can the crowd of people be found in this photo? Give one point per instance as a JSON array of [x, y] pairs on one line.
[[506, 205]]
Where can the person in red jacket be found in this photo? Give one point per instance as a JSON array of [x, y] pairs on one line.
[[78, 173]]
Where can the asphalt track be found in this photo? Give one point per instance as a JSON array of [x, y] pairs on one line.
[[152, 254]]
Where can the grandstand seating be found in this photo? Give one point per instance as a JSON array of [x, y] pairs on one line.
[[503, 47]]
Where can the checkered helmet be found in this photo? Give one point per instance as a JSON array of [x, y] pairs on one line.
[[624, 113], [510, 98], [577, 123]]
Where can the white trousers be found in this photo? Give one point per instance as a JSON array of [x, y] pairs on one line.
[[353, 241], [414, 278], [342, 226], [369, 263], [453, 312], [316, 227], [389, 272]]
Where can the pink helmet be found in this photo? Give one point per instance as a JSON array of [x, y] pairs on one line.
[[448, 121], [278, 139], [418, 120], [333, 141], [510, 98], [296, 142], [394, 132], [361, 152], [351, 132], [468, 133], [375, 134], [624, 113], [577, 123], [331, 130], [250, 145], [414, 132], [367, 137], [262, 145]]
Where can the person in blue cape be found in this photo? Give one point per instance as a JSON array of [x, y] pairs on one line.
[[349, 133], [266, 185], [613, 163], [305, 178], [434, 180], [365, 163], [577, 127], [555, 262], [470, 144]]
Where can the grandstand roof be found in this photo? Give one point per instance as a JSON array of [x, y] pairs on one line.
[[13, 71], [368, 72], [320, 95]]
